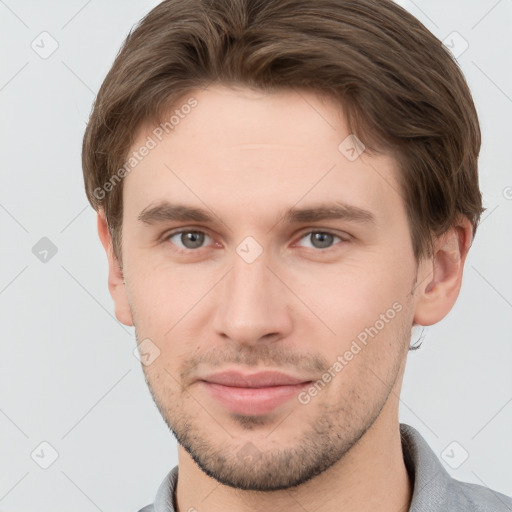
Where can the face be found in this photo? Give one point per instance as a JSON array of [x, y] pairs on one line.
[[299, 261]]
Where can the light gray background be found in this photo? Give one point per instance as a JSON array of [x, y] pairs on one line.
[[68, 375]]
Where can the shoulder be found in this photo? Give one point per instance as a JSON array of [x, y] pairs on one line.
[[436, 490], [477, 498], [164, 499]]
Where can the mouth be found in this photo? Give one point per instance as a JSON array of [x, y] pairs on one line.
[[253, 394]]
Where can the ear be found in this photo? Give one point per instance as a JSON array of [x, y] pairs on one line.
[[116, 284], [442, 274]]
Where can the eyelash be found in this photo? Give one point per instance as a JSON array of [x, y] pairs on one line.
[[167, 236]]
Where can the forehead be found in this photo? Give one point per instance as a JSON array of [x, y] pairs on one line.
[[244, 150]]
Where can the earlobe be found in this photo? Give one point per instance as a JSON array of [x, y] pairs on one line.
[[116, 284], [442, 275]]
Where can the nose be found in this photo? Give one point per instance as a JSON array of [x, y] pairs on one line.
[[252, 303]]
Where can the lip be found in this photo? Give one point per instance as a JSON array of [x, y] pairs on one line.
[[262, 379], [253, 394]]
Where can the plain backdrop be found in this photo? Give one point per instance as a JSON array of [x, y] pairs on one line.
[[68, 376]]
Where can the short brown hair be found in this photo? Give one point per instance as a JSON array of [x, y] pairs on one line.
[[401, 90]]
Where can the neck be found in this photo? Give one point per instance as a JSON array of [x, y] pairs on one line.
[[370, 476]]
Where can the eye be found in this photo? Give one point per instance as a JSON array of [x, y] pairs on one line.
[[321, 239], [194, 239], [187, 239]]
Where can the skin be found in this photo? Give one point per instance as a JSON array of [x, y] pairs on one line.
[[247, 157]]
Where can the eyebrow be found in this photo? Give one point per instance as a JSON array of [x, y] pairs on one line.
[[166, 211]]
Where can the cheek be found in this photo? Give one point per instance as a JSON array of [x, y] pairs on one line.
[[167, 307], [367, 352], [370, 317], [353, 295], [161, 294]]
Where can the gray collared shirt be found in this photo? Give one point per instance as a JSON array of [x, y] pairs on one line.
[[434, 490]]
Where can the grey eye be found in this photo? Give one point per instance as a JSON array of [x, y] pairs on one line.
[[189, 239], [320, 239]]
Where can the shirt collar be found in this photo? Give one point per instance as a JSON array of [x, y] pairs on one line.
[[430, 480]]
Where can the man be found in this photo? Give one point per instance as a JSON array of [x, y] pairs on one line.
[[284, 190]]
